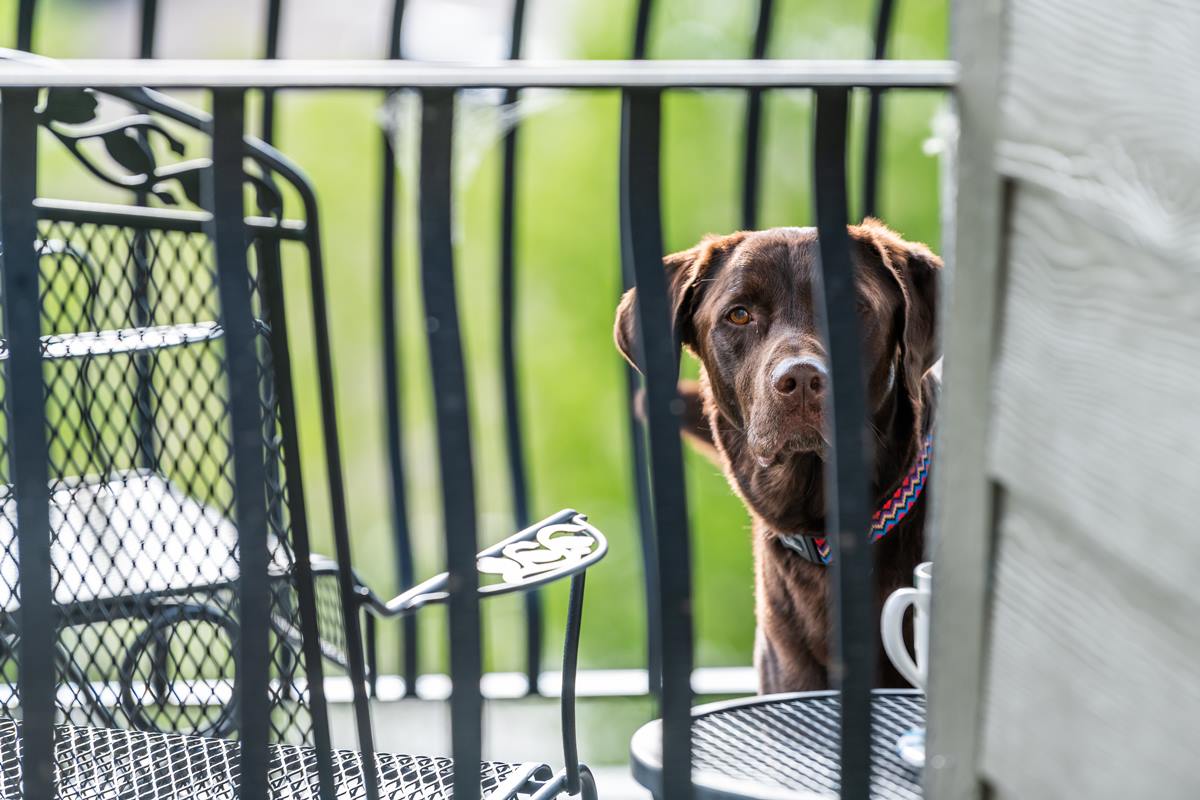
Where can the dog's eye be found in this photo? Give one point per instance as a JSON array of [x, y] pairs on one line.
[[738, 315]]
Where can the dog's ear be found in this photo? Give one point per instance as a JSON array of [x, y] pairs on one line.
[[686, 274], [918, 271]]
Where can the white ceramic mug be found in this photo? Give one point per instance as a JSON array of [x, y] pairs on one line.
[[891, 626]]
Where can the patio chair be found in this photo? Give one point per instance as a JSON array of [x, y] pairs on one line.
[[170, 482]]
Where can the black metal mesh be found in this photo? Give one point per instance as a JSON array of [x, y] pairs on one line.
[[793, 745], [96, 764], [329, 615], [143, 542]]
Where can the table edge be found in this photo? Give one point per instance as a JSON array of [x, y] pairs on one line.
[[647, 770]]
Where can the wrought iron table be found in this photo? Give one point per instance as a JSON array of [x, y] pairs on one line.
[[784, 746]]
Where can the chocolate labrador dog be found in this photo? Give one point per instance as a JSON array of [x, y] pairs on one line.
[[743, 305]]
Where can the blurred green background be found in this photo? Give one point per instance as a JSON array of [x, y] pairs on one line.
[[571, 378]]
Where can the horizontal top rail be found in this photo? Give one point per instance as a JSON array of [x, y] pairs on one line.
[[350, 74]]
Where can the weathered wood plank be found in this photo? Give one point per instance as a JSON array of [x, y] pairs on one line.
[[1093, 691], [1092, 687], [1092, 679], [1097, 389], [961, 544]]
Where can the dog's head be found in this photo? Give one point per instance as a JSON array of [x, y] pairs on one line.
[[744, 304]]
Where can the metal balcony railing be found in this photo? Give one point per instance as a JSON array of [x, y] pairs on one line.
[[659, 467], [758, 75], [642, 85]]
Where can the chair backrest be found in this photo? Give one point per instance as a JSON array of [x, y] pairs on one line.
[[145, 481]]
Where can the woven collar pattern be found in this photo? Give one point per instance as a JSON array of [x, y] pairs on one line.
[[887, 516]]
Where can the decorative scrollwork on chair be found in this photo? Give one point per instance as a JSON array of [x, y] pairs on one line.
[[71, 116], [554, 548]]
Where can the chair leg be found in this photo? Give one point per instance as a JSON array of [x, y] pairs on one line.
[[559, 786], [587, 784], [570, 663]]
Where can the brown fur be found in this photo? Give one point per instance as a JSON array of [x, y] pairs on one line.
[[759, 409]]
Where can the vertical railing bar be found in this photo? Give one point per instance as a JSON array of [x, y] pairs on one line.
[[25, 15], [272, 283], [637, 431], [453, 435], [871, 157], [402, 543], [751, 163], [30, 454], [645, 516], [146, 33], [514, 442], [395, 43], [641, 29], [270, 254], [143, 400], [846, 478], [516, 31], [405, 571], [658, 353], [269, 257], [645, 527], [228, 234], [271, 52], [147, 453]]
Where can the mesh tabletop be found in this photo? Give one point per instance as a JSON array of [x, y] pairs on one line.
[[787, 744], [105, 764]]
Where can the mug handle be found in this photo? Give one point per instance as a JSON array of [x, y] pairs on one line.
[[891, 625]]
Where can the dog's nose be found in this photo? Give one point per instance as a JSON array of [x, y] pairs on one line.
[[802, 377]]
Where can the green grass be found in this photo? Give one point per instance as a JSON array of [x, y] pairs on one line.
[[570, 375]]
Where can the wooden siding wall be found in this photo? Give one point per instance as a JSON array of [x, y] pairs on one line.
[[1091, 686]]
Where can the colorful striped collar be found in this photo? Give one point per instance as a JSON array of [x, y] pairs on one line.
[[816, 548]]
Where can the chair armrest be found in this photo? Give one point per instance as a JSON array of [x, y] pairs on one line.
[[560, 545]]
